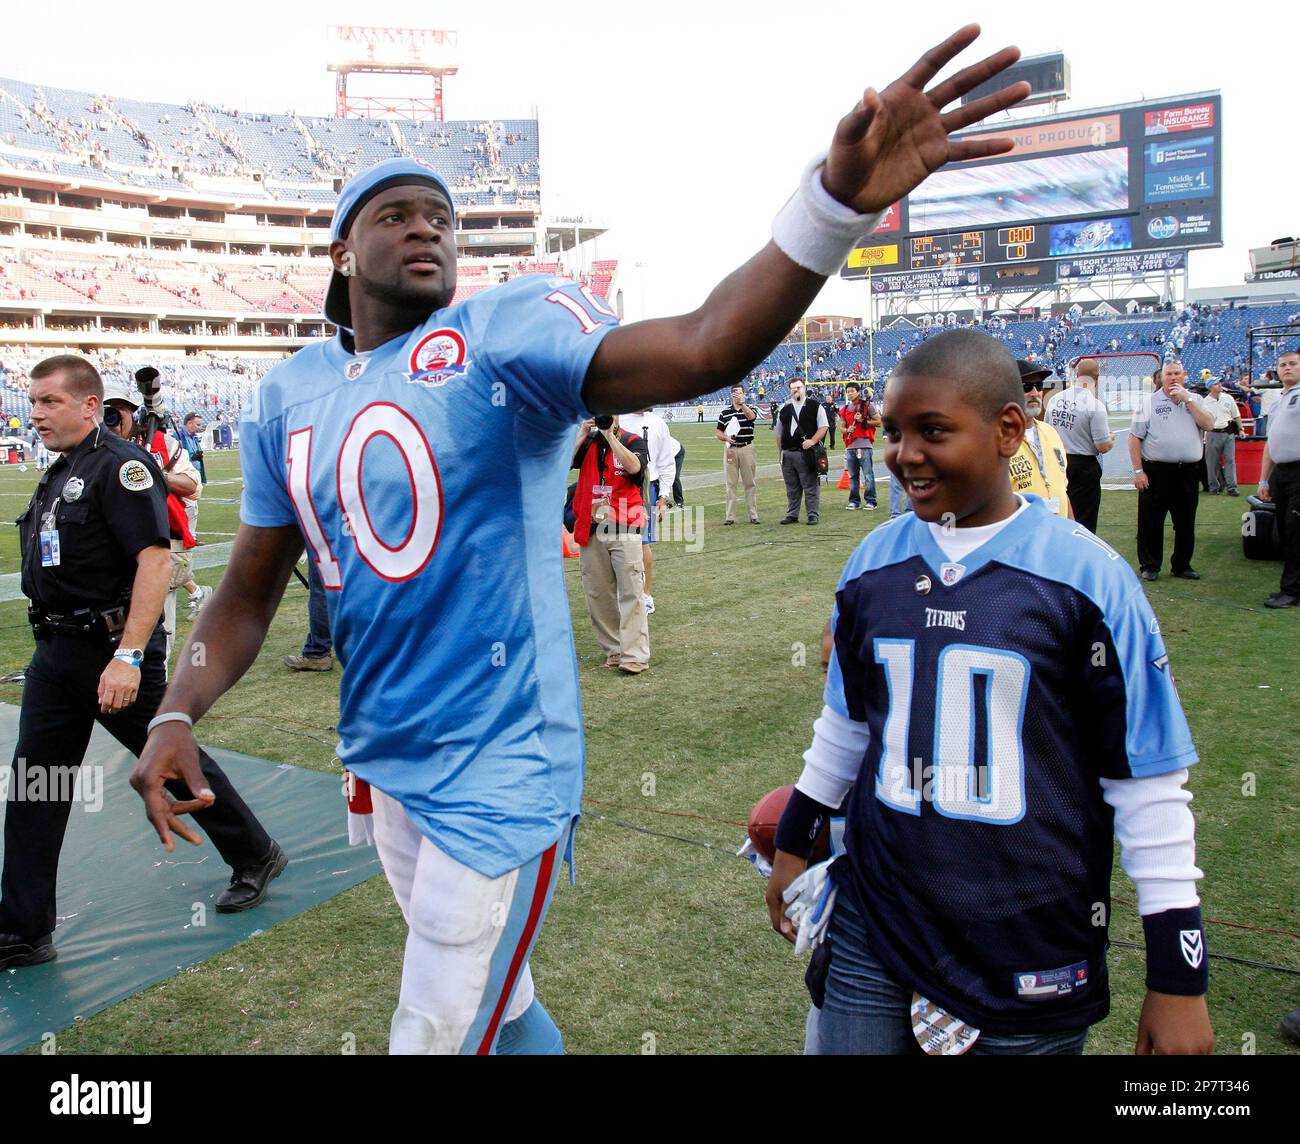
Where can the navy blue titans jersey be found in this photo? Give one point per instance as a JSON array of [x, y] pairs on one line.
[[998, 690]]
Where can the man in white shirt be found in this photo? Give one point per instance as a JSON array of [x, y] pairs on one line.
[[1279, 478], [800, 425], [1221, 441], [663, 467], [1165, 449]]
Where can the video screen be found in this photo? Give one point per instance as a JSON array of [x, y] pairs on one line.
[[1070, 239], [1050, 187]]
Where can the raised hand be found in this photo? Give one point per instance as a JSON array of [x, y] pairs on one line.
[[892, 140]]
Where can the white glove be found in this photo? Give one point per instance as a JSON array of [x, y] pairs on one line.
[[750, 851], [809, 900]]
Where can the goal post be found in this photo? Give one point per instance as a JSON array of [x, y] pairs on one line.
[[1123, 379]]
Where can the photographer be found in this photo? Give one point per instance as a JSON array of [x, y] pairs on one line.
[[861, 420], [122, 416], [191, 439], [609, 515]]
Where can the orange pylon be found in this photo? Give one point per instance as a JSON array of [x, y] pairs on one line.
[[566, 539]]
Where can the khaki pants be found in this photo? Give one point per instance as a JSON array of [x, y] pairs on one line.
[[182, 574], [613, 578], [741, 466]]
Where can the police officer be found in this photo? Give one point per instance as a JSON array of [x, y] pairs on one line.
[[95, 566], [1165, 449]]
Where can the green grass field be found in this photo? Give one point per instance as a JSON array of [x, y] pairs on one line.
[[664, 944]]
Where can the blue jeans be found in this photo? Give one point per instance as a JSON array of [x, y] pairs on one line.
[[318, 643], [899, 501], [861, 474], [868, 1013]]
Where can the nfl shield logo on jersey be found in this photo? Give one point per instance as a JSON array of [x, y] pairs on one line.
[[951, 573], [1193, 947], [438, 357], [355, 369]]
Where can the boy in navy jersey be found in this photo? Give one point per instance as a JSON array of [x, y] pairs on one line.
[[999, 705]]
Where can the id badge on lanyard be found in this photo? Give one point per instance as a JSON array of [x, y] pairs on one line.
[[49, 538], [600, 499]]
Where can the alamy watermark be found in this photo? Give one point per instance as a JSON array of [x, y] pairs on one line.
[[20, 782]]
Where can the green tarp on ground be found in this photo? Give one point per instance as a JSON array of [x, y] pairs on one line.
[[127, 907]]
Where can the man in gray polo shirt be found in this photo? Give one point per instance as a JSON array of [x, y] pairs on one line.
[[1165, 448], [1221, 441], [1279, 477], [1080, 419]]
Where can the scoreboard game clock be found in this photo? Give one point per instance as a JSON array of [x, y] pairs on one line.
[[1015, 242]]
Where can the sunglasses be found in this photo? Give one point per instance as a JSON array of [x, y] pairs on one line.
[[1032, 385]]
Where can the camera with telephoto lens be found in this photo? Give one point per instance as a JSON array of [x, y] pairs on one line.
[[603, 422], [149, 382]]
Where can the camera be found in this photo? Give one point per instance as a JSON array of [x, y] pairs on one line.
[[605, 421], [149, 382]]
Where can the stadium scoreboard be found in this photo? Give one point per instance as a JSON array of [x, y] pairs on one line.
[[936, 250], [1113, 190]]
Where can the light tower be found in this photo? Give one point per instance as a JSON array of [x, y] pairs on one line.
[[390, 52]]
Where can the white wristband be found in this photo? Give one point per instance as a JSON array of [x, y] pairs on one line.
[[169, 717], [817, 231]]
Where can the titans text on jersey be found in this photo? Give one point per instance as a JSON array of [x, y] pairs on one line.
[[424, 475], [978, 844]]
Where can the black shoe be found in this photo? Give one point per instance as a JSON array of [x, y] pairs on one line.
[[811, 522], [1233, 493], [1148, 574], [728, 522], [1186, 574], [789, 520], [1281, 600], [17, 951], [754, 520], [248, 886]]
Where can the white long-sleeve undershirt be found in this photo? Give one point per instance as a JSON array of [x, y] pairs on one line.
[[1154, 825]]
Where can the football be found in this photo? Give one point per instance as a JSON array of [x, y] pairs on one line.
[[765, 816]]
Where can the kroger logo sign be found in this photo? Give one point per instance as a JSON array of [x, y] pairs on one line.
[[1164, 227]]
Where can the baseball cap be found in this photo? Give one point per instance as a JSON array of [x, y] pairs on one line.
[[1029, 371], [355, 194], [117, 391]]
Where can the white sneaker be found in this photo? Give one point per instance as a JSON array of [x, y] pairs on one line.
[[200, 600], [868, 507], [649, 602], [851, 507]]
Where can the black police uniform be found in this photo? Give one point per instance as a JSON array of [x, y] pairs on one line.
[[105, 501]]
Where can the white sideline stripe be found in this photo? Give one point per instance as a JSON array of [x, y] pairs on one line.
[[206, 556]]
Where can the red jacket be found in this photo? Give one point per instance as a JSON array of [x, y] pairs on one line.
[[177, 518], [598, 469], [854, 432]]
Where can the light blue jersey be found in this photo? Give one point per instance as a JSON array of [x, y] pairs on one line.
[[428, 477]]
